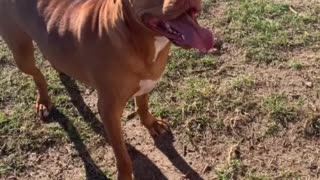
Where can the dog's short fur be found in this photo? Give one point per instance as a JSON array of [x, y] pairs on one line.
[[119, 47]]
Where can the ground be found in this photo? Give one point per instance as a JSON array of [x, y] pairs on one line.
[[248, 112]]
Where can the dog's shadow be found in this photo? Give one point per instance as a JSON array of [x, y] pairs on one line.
[[92, 170], [143, 168], [165, 145]]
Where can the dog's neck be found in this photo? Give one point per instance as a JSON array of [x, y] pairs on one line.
[[105, 19], [114, 22], [145, 42]]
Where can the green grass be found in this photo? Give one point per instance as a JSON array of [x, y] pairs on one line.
[[206, 6], [231, 171], [296, 65], [21, 132], [266, 29], [190, 89], [197, 100], [281, 112], [242, 83]]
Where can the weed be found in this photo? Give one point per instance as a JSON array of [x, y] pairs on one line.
[[231, 171], [296, 65], [312, 127], [242, 83], [272, 129], [279, 110]]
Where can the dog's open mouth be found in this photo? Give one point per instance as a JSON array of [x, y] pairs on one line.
[[183, 31]]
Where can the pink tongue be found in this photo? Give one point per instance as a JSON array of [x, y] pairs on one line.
[[203, 40], [194, 35]]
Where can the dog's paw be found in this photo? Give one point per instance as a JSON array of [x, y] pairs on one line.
[[158, 127], [43, 111]]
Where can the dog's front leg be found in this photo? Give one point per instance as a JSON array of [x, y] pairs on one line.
[[110, 109], [155, 126]]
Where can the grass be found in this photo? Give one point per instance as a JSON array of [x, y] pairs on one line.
[[210, 100], [242, 83], [21, 132], [234, 168], [296, 65], [266, 29], [280, 111], [229, 172]]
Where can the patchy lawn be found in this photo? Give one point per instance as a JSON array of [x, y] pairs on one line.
[[250, 112]]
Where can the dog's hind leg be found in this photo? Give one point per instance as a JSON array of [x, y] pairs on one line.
[[22, 49]]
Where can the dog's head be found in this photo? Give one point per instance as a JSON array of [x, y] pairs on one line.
[[176, 20]]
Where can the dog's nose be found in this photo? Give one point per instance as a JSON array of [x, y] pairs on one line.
[[217, 46]]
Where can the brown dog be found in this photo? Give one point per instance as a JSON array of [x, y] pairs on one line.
[[119, 47]]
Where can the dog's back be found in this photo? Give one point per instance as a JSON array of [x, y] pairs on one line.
[[39, 19], [54, 25]]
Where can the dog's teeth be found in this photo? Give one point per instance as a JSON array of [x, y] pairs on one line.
[[168, 26], [182, 37]]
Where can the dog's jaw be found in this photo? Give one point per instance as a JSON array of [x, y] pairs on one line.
[[174, 19], [183, 31]]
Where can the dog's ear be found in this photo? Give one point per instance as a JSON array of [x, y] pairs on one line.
[[169, 5]]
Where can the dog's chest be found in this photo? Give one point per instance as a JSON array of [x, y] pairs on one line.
[[146, 85], [159, 44]]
